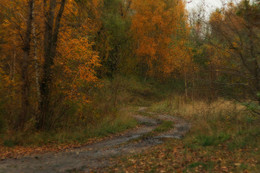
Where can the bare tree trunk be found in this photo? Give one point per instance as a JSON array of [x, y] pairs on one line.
[[25, 64]]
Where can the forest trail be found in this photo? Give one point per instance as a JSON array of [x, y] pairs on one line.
[[98, 155]]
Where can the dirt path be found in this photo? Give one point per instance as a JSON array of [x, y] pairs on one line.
[[97, 155]]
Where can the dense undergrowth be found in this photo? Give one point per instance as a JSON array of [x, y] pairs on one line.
[[107, 113]]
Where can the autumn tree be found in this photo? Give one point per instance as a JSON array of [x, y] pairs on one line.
[[203, 77], [159, 28], [16, 28], [79, 62], [236, 31], [34, 37]]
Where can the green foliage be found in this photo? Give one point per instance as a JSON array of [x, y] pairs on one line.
[[130, 90], [252, 106], [258, 95], [115, 28], [200, 56]]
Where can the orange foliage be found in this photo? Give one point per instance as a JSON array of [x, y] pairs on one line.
[[159, 27], [77, 58]]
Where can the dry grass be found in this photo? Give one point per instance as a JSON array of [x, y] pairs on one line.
[[210, 118], [195, 109]]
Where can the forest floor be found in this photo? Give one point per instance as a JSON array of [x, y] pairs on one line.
[[155, 129]]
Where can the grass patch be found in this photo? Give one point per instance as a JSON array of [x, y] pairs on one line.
[[164, 127], [108, 126], [143, 113], [205, 166], [215, 139]]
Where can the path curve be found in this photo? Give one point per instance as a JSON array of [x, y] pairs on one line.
[[98, 155]]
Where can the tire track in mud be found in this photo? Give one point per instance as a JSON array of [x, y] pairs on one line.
[[98, 155]]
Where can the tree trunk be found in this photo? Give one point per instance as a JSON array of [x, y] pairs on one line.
[[12, 71], [50, 45], [36, 66], [186, 85], [25, 64]]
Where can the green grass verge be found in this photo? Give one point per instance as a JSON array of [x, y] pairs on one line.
[[109, 126]]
